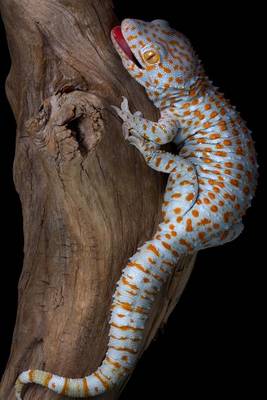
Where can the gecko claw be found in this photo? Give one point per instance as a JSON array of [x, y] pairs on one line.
[[125, 130], [137, 142], [117, 111], [125, 105]]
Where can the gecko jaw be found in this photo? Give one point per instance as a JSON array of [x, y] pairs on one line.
[[122, 46]]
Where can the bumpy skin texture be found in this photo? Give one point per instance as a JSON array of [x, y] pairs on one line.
[[210, 186]]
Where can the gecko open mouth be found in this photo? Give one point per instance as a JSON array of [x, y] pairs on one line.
[[119, 38]]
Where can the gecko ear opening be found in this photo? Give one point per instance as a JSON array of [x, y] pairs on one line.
[[161, 22]]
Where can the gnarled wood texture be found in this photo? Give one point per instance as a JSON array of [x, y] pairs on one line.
[[88, 198]]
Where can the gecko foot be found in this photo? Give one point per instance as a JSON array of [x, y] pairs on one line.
[[127, 117]]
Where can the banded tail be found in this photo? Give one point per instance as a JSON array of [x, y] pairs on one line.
[[136, 290]]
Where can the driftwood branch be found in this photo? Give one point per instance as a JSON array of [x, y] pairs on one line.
[[88, 198]]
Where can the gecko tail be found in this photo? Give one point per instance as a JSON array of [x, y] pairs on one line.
[[65, 386], [135, 293]]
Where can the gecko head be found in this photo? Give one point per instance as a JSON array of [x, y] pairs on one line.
[[154, 54]]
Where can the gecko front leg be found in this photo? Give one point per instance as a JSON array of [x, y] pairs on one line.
[[160, 132]]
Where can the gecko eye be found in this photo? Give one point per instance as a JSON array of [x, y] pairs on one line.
[[151, 57]]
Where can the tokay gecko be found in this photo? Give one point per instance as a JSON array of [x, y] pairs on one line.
[[210, 186]]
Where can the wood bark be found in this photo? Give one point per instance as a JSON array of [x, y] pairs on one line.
[[88, 198]]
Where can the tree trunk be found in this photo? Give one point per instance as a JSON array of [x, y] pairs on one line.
[[88, 198]]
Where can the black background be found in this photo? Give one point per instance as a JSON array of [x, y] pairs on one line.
[[210, 347]]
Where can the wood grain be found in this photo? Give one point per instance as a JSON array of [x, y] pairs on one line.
[[88, 198]]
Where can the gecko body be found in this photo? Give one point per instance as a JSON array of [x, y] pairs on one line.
[[210, 186]]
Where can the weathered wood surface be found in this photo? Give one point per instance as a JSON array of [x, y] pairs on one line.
[[88, 198]]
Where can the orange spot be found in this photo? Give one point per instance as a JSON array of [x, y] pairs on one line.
[[131, 37], [184, 183], [190, 196], [102, 380], [169, 164], [214, 208], [179, 219], [213, 114], [185, 243], [141, 268], [125, 282], [152, 248], [221, 153], [211, 195], [215, 136], [150, 67], [240, 151], [125, 327], [246, 190], [177, 210], [85, 387], [222, 125], [207, 125], [176, 195], [201, 140], [189, 225], [201, 235], [195, 213], [158, 161], [234, 182], [166, 245], [226, 216], [31, 375], [165, 69], [205, 221], [47, 379], [65, 386], [186, 105], [207, 160], [113, 362]]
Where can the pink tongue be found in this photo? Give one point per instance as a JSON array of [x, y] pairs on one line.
[[118, 36]]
